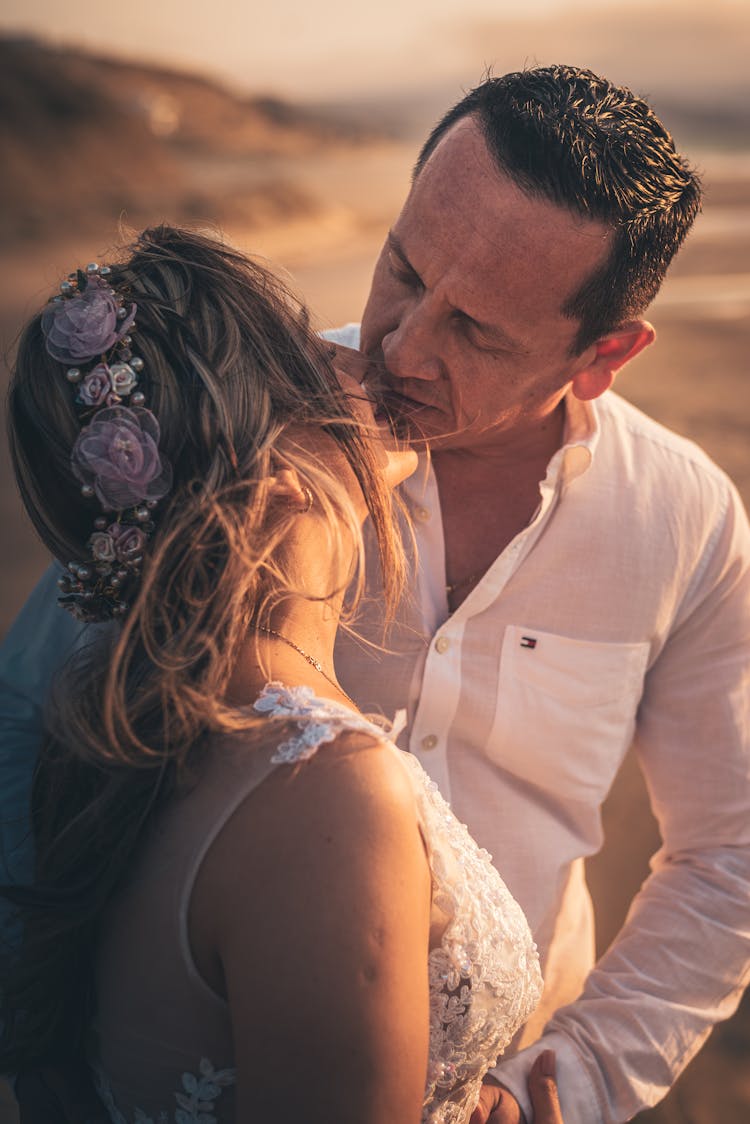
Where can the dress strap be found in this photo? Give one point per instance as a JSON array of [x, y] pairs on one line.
[[319, 721]]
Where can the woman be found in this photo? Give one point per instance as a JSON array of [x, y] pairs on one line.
[[248, 904]]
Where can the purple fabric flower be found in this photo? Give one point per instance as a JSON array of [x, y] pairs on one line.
[[80, 327], [102, 546], [95, 386], [128, 541], [118, 454]]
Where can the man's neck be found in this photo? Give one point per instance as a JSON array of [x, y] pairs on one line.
[[488, 495], [520, 454]]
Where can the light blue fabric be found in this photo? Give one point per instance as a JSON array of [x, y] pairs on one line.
[[38, 644]]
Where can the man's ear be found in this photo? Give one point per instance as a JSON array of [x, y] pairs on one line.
[[610, 353]]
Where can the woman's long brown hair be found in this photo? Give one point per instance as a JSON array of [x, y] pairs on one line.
[[230, 365]]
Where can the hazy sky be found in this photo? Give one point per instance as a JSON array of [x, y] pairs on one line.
[[319, 48]]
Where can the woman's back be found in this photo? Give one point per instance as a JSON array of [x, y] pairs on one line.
[[165, 1046]]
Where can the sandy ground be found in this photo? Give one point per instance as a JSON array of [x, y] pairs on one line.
[[695, 380]]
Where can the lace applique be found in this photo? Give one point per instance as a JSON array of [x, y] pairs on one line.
[[319, 720], [484, 976], [196, 1103]]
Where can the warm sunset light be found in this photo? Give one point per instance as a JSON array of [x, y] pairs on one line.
[[290, 130]]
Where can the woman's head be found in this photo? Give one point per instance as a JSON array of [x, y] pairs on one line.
[[220, 378]]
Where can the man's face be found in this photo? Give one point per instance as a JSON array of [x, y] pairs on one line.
[[464, 319]]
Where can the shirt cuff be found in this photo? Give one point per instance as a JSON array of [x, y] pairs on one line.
[[578, 1100]]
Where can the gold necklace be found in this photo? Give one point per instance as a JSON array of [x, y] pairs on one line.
[[310, 659], [451, 589]]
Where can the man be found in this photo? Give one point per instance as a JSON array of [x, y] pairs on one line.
[[583, 574]]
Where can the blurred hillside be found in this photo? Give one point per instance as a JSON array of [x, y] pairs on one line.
[[84, 138]]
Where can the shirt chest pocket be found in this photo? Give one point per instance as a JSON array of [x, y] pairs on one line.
[[566, 710]]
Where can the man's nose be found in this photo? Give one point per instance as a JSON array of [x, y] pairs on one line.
[[410, 348]]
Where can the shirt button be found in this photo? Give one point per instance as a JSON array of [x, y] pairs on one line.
[[442, 644], [422, 514], [429, 742]]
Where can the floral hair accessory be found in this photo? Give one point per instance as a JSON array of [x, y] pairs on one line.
[[87, 325], [116, 455]]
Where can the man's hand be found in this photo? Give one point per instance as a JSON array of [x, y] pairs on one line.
[[498, 1106]]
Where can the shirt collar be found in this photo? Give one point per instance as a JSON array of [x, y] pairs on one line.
[[580, 439]]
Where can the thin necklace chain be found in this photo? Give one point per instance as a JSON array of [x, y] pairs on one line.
[[449, 589], [310, 659]]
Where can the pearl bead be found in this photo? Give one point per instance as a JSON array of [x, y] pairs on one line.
[[105, 271], [100, 523], [151, 504], [92, 267], [73, 374], [141, 513], [84, 573], [138, 398], [122, 313], [87, 491], [137, 363], [66, 287]]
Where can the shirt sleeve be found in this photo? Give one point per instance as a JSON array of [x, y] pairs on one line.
[[347, 335], [682, 958], [37, 645]]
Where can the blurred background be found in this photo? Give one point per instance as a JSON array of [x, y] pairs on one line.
[[292, 127]]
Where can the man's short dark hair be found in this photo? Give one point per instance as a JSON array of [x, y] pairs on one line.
[[568, 135]]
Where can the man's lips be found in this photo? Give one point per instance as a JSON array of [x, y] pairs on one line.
[[395, 399], [399, 413], [392, 402]]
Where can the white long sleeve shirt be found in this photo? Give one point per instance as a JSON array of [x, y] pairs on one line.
[[621, 612]]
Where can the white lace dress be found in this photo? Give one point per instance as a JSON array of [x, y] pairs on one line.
[[484, 973]]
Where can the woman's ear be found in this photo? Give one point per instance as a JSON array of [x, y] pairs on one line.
[[285, 487], [610, 353]]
